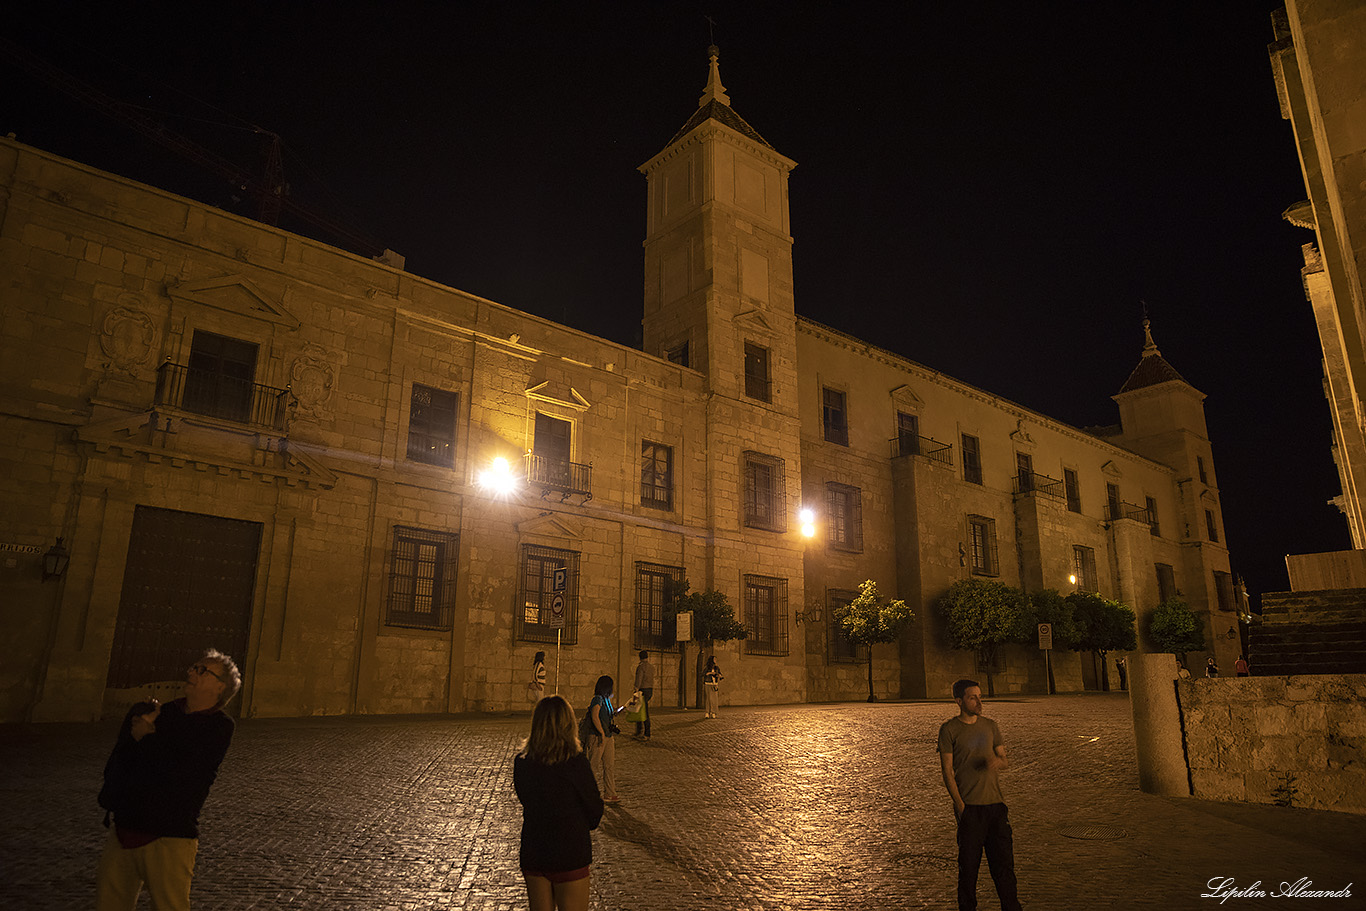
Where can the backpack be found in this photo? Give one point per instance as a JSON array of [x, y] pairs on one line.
[[586, 728]]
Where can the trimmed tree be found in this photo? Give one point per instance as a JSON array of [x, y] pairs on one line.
[[1175, 628], [1103, 626], [981, 615], [869, 620], [1052, 608], [713, 620]]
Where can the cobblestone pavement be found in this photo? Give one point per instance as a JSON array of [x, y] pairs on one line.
[[787, 807]]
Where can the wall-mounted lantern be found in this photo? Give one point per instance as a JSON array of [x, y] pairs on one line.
[[807, 517], [55, 561], [499, 478], [810, 616]]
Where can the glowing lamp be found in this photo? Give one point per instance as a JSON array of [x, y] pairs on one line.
[[808, 519], [498, 478]]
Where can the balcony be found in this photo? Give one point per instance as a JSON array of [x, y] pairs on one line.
[[1034, 482], [909, 444], [1123, 510], [219, 396], [568, 479]]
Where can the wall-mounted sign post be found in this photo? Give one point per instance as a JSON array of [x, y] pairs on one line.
[[557, 587], [1046, 644]]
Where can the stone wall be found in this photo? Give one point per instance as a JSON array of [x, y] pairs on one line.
[[1298, 740]]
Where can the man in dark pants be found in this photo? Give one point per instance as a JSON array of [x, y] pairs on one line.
[[645, 682], [972, 755], [155, 783]]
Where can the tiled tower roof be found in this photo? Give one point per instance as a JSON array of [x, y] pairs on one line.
[[1152, 368], [715, 105]]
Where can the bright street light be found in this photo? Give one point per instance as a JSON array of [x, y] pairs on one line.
[[498, 478]]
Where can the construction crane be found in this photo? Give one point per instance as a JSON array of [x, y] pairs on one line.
[[267, 191]]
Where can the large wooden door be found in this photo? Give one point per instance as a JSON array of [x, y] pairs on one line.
[[187, 587]]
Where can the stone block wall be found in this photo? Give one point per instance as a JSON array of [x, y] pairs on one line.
[[1298, 740]]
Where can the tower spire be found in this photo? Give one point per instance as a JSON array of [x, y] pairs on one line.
[[714, 91], [1149, 346]]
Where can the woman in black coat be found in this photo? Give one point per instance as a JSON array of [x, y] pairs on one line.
[[560, 806]]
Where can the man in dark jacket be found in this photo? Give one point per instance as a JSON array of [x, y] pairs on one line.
[[156, 781]]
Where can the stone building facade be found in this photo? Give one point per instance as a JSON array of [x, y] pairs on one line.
[[1319, 62], [248, 439]]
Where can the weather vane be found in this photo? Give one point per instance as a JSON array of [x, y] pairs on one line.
[[711, 29]]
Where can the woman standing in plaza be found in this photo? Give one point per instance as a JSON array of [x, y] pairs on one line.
[[602, 750], [560, 806], [712, 679]]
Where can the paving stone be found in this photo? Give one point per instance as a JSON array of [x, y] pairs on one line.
[[786, 807]]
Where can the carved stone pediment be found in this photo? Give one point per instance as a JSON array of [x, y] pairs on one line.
[[905, 398], [235, 294], [1020, 435], [558, 392], [1111, 470], [753, 321], [551, 527]]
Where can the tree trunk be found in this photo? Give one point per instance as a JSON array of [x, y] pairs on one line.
[[871, 696], [1104, 674]]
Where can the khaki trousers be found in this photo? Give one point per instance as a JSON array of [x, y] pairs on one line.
[[164, 866], [602, 756]]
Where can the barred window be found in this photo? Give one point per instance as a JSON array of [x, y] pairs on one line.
[[1072, 488], [1152, 517], [835, 416], [1084, 567], [431, 425], [972, 460], [422, 570], [1211, 526], [844, 511], [842, 651], [766, 615], [656, 475], [765, 493], [1223, 590], [678, 354], [654, 588], [538, 596], [757, 382], [1166, 582], [982, 534]]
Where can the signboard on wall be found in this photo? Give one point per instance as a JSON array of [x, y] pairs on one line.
[[685, 626]]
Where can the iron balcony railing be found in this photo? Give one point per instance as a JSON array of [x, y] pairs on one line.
[[1032, 481], [911, 444], [559, 476], [1128, 511], [216, 395]]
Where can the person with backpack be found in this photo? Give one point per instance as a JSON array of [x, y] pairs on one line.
[[601, 728], [155, 784]]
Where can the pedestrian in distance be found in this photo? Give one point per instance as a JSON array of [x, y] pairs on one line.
[[1182, 672], [972, 755], [711, 680], [1122, 666], [155, 782], [535, 690], [1240, 667], [1211, 669], [645, 683], [602, 750], [561, 804]]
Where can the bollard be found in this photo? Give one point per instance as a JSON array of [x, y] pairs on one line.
[[1158, 737]]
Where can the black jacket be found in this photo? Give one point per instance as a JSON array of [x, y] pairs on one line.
[[162, 780], [560, 806]]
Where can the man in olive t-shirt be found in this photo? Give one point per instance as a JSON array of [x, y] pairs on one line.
[[972, 755]]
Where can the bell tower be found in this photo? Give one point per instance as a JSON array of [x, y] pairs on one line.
[[718, 298], [718, 253]]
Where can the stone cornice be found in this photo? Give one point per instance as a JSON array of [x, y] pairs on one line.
[[843, 340]]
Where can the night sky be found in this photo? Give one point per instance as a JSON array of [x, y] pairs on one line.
[[990, 190]]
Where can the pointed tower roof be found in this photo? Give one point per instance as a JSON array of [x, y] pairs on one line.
[[1152, 368], [715, 105]]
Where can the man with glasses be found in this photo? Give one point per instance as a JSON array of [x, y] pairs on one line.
[[156, 781]]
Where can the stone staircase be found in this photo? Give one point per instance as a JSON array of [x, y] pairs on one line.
[[1310, 632]]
